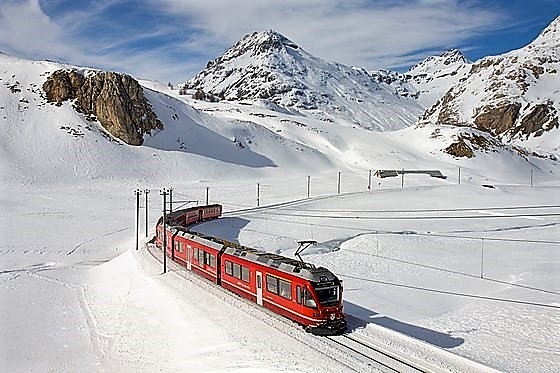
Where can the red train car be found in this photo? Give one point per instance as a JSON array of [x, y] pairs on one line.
[[300, 291]]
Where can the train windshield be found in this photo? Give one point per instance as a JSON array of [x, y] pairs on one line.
[[328, 294]]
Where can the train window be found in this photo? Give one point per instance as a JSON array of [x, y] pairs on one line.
[[245, 274], [308, 300], [179, 246], [298, 294], [236, 270], [209, 259], [272, 284], [285, 289], [229, 268]]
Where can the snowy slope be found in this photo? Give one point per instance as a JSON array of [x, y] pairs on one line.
[[70, 301], [514, 96], [267, 65], [433, 76], [80, 148]]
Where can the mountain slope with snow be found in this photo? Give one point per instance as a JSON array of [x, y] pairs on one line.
[[433, 76], [514, 96], [266, 65], [408, 249]]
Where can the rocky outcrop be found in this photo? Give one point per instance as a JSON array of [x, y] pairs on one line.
[[498, 120], [116, 100]]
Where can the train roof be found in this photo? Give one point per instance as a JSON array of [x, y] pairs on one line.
[[282, 263]]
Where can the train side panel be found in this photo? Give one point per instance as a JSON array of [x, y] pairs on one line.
[[204, 257], [279, 289]]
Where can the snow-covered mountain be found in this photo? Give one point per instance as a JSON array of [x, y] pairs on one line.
[[514, 96], [267, 65], [433, 76]]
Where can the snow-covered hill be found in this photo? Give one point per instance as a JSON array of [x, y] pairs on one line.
[[514, 96], [266, 65], [408, 250]]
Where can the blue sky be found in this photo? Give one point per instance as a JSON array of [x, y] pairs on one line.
[[172, 40]]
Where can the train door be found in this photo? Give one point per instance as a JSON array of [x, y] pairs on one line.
[[189, 249], [259, 288]]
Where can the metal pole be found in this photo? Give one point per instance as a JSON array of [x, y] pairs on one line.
[[402, 178], [459, 176], [170, 200], [137, 192], [207, 188], [146, 192], [308, 185], [531, 177], [258, 194], [369, 180], [482, 259], [163, 192], [338, 190]]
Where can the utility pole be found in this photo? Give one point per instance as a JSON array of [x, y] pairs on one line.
[[308, 185], [402, 178], [146, 192], [207, 188], [258, 194], [137, 192], [338, 190], [459, 176], [482, 259], [163, 192], [170, 200], [369, 181]]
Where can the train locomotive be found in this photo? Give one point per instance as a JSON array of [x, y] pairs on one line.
[[309, 295]]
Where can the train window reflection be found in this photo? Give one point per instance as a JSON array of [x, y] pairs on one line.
[[308, 300]]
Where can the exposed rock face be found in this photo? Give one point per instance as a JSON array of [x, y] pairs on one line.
[[63, 85], [116, 100], [498, 120], [465, 144]]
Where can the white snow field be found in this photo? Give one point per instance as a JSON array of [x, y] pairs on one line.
[[435, 269]]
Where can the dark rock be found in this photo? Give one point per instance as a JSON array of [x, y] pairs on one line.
[[117, 100]]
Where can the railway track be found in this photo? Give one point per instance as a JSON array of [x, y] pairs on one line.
[[377, 356], [355, 352]]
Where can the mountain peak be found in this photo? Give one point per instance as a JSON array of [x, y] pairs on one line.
[[449, 59], [452, 56], [265, 41], [550, 35]]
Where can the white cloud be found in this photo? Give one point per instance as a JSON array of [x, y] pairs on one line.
[[370, 34], [25, 29]]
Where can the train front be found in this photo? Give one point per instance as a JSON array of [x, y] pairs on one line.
[[326, 293]]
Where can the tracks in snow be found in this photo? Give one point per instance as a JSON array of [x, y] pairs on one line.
[[353, 351]]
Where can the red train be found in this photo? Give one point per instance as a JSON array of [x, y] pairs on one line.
[[300, 291]]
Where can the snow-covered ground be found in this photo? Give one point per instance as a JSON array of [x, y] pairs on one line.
[[470, 268]]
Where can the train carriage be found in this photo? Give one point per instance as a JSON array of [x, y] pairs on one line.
[[300, 291], [309, 295]]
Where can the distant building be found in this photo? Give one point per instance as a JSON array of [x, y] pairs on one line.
[[393, 173]]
